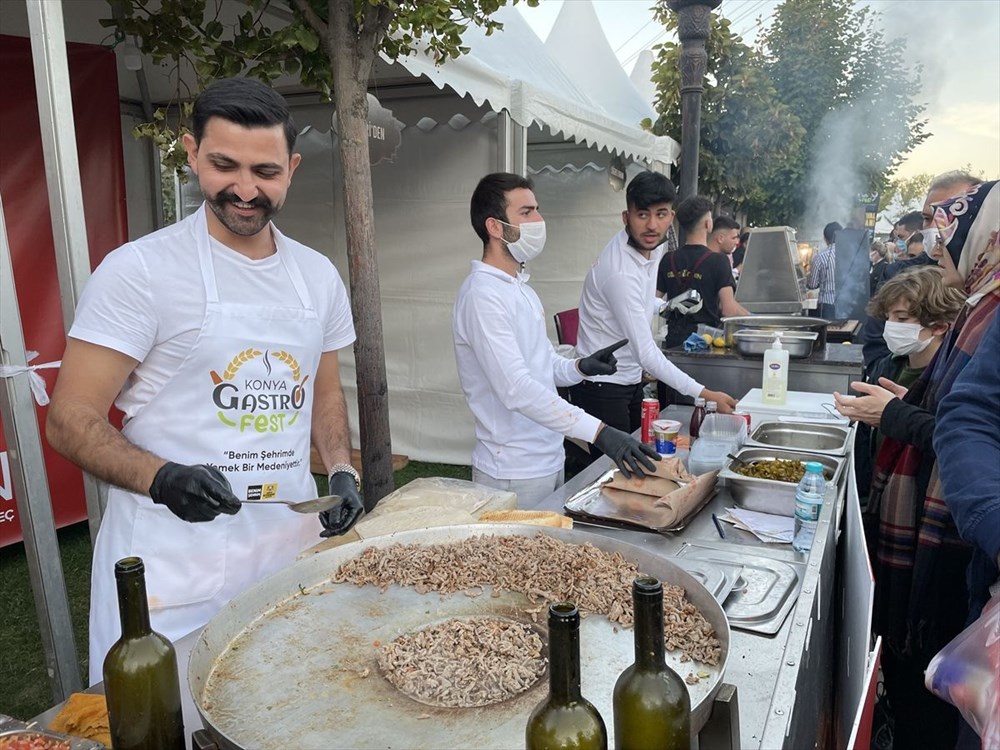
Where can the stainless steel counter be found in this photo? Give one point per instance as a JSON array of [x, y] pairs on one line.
[[778, 678], [831, 369], [784, 683]]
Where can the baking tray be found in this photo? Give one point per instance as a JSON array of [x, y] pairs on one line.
[[771, 495], [292, 661], [764, 593], [11, 727], [590, 506], [803, 436], [798, 344]]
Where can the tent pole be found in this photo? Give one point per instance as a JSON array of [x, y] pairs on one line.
[[512, 145], [62, 175], [31, 490]]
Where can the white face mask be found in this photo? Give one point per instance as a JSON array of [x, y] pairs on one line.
[[529, 245], [930, 240], [904, 338]]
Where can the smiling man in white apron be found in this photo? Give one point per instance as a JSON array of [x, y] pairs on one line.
[[217, 337]]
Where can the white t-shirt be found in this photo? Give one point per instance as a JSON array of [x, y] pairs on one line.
[[618, 302], [146, 300], [509, 372]]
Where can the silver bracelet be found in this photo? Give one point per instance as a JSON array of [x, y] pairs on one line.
[[347, 469]]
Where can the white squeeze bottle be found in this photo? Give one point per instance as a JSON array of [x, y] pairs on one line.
[[775, 384]]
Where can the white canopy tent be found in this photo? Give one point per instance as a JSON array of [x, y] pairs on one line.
[[489, 115]]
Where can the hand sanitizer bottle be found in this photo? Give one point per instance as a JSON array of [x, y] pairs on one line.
[[775, 384]]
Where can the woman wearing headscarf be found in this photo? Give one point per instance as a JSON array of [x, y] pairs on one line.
[[918, 557]]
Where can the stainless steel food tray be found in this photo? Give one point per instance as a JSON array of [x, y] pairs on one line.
[[764, 592], [803, 436], [771, 495], [798, 344], [590, 506], [291, 661], [14, 728]]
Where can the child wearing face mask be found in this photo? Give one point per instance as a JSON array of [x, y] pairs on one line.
[[918, 309]]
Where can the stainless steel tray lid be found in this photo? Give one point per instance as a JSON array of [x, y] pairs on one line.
[[294, 669]]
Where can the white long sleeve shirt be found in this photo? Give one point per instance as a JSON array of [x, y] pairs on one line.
[[618, 301], [509, 371]]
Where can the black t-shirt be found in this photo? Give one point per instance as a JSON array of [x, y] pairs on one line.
[[693, 267]]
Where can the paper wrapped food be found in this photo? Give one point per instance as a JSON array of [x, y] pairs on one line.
[[664, 501]]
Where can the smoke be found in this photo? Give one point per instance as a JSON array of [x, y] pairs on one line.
[[847, 140], [943, 37]]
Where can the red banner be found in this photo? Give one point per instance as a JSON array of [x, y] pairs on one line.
[[94, 85]]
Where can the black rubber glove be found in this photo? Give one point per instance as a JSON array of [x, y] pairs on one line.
[[339, 520], [601, 362], [193, 493], [629, 454]]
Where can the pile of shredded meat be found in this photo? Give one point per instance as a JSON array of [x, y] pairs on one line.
[[543, 568], [463, 663]]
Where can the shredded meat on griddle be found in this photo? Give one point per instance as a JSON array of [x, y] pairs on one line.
[[463, 663], [543, 568]]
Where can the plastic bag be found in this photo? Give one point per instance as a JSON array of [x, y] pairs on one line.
[[966, 673]]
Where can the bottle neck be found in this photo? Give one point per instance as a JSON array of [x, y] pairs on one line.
[[649, 648], [564, 661], [133, 607]]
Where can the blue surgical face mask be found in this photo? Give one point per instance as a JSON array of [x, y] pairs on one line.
[[901, 244]]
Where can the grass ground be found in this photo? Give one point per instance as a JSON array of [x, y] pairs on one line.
[[24, 686]]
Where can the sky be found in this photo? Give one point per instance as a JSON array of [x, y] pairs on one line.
[[956, 42]]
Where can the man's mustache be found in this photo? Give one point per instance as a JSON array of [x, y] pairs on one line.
[[261, 201]]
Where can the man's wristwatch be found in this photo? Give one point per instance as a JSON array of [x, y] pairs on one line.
[[348, 469]]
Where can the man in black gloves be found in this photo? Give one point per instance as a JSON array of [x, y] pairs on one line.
[[508, 367], [217, 338]]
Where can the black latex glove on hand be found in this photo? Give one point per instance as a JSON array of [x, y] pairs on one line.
[[601, 362], [339, 520], [193, 493], [630, 455]]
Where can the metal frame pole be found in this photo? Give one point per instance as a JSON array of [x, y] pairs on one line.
[[31, 490], [62, 174]]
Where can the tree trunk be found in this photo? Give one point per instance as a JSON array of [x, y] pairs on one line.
[[351, 65]]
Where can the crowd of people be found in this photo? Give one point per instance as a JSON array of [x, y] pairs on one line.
[[928, 455], [163, 316]]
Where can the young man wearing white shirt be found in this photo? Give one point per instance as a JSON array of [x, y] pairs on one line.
[[509, 369], [618, 302]]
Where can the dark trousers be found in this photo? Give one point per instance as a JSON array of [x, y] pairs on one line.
[[827, 311], [618, 406]]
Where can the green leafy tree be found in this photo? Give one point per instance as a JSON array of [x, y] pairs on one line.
[[746, 131], [907, 192], [853, 93], [331, 46]]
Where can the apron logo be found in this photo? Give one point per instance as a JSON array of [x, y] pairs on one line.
[[259, 404]]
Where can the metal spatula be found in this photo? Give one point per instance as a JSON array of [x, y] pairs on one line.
[[316, 505]]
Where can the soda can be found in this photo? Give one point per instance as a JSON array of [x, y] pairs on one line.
[[746, 418], [650, 413]]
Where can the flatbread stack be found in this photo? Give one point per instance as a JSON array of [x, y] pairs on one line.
[[84, 715], [661, 500]]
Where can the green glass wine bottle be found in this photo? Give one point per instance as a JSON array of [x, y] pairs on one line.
[[652, 709], [140, 673], [565, 720]]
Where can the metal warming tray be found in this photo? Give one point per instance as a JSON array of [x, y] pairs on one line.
[[771, 495], [765, 589], [798, 344], [804, 436], [13, 729], [772, 323], [291, 661]]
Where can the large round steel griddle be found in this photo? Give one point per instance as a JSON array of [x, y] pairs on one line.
[[281, 668]]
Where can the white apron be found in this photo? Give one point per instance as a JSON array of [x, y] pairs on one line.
[[241, 401]]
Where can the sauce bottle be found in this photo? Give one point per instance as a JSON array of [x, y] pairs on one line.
[[697, 417]]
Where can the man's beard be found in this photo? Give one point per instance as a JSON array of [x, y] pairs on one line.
[[637, 244], [244, 226]]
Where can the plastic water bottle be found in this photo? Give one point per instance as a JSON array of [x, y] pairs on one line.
[[808, 503]]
